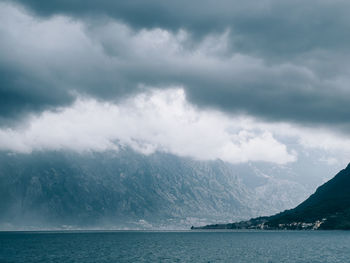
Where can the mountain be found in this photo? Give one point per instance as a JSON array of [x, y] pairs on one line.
[[125, 189], [327, 208]]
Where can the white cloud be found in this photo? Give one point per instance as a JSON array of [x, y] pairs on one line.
[[109, 59], [163, 120], [154, 121]]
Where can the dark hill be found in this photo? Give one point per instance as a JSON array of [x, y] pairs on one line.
[[330, 201], [327, 208]]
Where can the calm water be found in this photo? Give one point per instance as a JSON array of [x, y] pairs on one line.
[[332, 246]]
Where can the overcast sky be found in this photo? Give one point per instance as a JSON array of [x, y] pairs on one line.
[[233, 80]]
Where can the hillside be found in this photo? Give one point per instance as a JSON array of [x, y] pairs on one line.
[[327, 208]]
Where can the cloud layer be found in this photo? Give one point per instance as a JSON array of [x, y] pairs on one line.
[[157, 121], [239, 81], [264, 60], [164, 121]]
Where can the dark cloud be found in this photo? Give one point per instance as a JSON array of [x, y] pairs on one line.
[[269, 26], [279, 60], [21, 94]]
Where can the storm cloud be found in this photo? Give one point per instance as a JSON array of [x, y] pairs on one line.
[[275, 60]]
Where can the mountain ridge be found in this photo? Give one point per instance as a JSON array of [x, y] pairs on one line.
[[127, 190], [327, 208]]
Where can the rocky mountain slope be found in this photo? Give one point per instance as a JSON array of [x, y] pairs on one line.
[[129, 190]]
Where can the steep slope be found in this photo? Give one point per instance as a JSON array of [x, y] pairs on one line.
[[327, 208], [330, 204]]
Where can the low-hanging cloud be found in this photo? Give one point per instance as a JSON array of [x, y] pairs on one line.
[[164, 121], [46, 60], [156, 121]]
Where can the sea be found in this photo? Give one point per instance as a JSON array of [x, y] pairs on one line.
[[175, 246]]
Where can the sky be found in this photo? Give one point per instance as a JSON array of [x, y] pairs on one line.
[[240, 81]]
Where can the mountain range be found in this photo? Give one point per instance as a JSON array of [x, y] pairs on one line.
[[129, 190]]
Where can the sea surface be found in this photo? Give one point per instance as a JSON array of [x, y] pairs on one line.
[[178, 246]]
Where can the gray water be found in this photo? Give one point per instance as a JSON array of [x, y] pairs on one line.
[[185, 246]]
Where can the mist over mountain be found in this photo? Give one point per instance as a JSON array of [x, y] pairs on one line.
[[126, 189]]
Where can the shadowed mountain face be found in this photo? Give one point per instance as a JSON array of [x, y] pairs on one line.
[[327, 208], [331, 202], [131, 190]]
